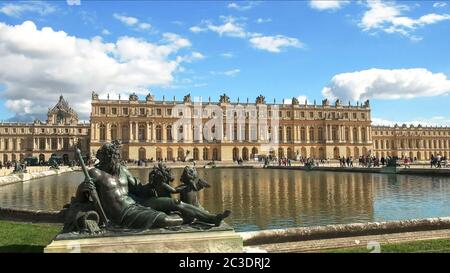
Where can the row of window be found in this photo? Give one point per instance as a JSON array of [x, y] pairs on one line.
[[41, 130], [423, 133], [253, 114], [430, 144], [247, 133]]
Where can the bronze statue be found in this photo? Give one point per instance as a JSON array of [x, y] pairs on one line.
[[109, 180], [157, 195], [111, 197], [191, 184]]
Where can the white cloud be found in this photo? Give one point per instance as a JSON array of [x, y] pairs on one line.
[[231, 27], [19, 8], [132, 22], [241, 7], [388, 17], [48, 62], [127, 20], [274, 43], [227, 55], [19, 106], [263, 20], [197, 29], [230, 73], [73, 2], [433, 121], [144, 26], [387, 84], [439, 5], [327, 4], [106, 32]]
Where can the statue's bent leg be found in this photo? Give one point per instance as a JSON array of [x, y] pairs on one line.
[[202, 214], [188, 212]]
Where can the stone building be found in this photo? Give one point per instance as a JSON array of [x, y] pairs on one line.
[[420, 142], [250, 129], [57, 136]]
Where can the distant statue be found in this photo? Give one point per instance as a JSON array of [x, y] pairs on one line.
[[325, 102], [133, 97], [94, 95], [191, 185], [149, 97], [261, 99], [224, 99], [187, 98], [338, 102], [367, 103], [295, 101]]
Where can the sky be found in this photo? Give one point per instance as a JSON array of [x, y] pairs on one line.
[[394, 53]]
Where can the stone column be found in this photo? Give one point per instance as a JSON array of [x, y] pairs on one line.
[[153, 131], [130, 132], [307, 134], [147, 132], [164, 133], [108, 131]]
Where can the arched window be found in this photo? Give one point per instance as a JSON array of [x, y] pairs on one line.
[[113, 132], [125, 133], [169, 132], [280, 133], [303, 134], [347, 134], [158, 133], [235, 154], [245, 153], [355, 134], [180, 154], [102, 132], [205, 154], [141, 133], [142, 154], [320, 134], [169, 154], [215, 154], [195, 155], [311, 134], [334, 133], [254, 152], [288, 134]]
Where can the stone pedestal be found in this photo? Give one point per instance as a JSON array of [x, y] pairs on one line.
[[217, 239]]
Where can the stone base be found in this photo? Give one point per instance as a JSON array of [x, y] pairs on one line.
[[197, 242]]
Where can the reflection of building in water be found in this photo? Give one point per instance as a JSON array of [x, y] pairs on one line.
[[271, 198], [59, 135], [415, 142]]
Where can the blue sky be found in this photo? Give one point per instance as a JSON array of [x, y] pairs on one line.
[[395, 53]]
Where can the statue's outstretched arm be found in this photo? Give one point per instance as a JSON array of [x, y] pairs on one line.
[[170, 188]]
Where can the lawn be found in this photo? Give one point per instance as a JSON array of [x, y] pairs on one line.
[[26, 237]]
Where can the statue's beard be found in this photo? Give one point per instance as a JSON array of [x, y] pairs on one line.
[[112, 167]]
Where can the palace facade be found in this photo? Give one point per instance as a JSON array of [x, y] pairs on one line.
[[419, 142], [147, 127], [59, 136], [221, 130]]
